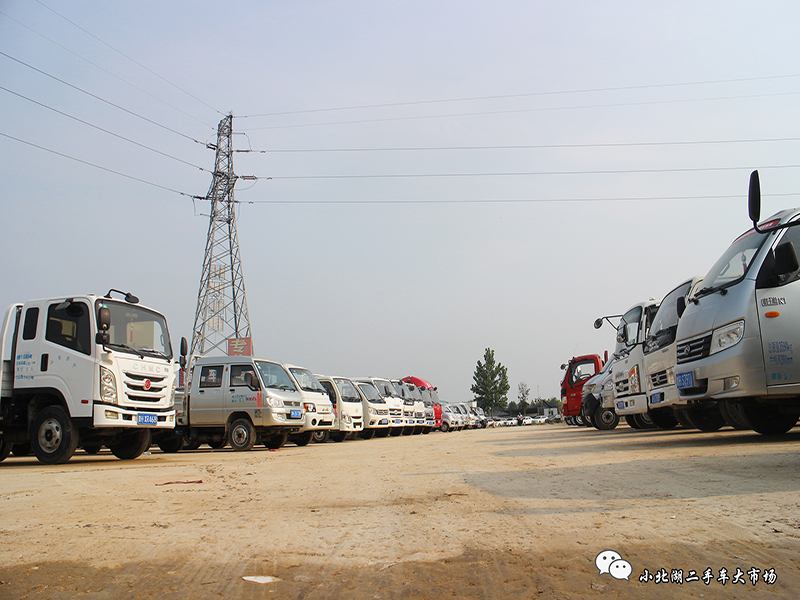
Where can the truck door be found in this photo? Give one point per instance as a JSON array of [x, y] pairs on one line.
[[778, 306], [206, 405], [238, 396]]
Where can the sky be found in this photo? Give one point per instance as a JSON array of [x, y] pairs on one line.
[[433, 178]]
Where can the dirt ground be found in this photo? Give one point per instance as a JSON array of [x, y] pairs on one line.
[[516, 512]]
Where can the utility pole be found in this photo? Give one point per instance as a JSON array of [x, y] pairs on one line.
[[221, 303]]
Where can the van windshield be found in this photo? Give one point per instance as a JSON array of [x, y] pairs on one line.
[[274, 376], [733, 265], [370, 393], [306, 380]]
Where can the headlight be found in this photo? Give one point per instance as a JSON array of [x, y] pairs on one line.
[[309, 407], [108, 386], [346, 417], [726, 336], [670, 376], [274, 402], [608, 386], [633, 380], [372, 411]]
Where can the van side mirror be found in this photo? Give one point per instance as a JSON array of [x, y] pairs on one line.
[[785, 259], [754, 198], [103, 325], [681, 306], [251, 381], [184, 352]]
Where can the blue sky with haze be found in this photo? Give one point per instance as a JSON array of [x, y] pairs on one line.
[[522, 167]]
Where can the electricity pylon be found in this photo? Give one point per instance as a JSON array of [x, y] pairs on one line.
[[221, 303]]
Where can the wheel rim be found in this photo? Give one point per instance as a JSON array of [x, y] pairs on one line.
[[50, 435], [239, 436], [607, 417]]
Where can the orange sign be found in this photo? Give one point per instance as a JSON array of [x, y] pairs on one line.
[[240, 346]]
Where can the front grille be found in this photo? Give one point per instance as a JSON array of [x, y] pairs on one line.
[[144, 388], [621, 387], [658, 379], [291, 403], [395, 412], [694, 349], [383, 411]]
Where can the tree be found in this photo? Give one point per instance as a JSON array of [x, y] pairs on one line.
[[491, 384], [523, 392]]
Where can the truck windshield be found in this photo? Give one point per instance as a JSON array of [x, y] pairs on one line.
[[306, 380], [733, 265], [275, 376], [370, 393], [665, 323], [347, 390], [136, 330], [628, 329]]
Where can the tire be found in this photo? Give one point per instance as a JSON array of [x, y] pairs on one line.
[[663, 418], [301, 439], [683, 418], [578, 420], [644, 421], [445, 427], [406, 430], [321, 436], [605, 418], [276, 440], [338, 436], [242, 435], [367, 434], [630, 420], [569, 421], [382, 432], [54, 437], [192, 444], [217, 444], [770, 419], [395, 431], [131, 445], [426, 430], [5, 450], [92, 448], [21, 449], [734, 415], [170, 444], [706, 418]]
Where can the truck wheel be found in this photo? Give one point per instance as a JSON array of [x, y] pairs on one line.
[[339, 436], [276, 440], [54, 438], [5, 450], [644, 421], [170, 444], [395, 431], [367, 434], [242, 435], [382, 432], [92, 448], [217, 444], [445, 426], [734, 415], [21, 449], [605, 418], [663, 418], [769, 419], [683, 418], [707, 418], [301, 439], [131, 445], [321, 436], [192, 444], [632, 422]]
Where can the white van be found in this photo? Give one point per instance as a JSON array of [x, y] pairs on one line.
[[317, 405], [348, 419]]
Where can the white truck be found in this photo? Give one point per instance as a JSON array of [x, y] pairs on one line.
[[317, 405], [236, 400], [85, 371], [349, 419], [375, 407], [736, 339], [392, 404]]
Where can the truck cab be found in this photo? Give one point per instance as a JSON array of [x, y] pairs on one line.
[[736, 338], [375, 407], [317, 406], [598, 399], [577, 372], [347, 406], [85, 371]]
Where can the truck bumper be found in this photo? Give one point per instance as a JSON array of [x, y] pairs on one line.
[[631, 405], [111, 415], [732, 373]]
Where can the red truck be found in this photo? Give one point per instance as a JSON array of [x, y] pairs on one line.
[[433, 406], [578, 371]]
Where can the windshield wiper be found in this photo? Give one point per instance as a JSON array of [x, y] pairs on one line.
[[283, 387], [127, 348], [155, 352], [710, 290]]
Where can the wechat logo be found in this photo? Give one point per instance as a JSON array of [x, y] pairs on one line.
[[609, 561]]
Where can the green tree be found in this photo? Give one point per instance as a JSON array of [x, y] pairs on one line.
[[523, 393], [491, 384]]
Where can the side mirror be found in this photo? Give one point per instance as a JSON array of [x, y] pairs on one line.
[[754, 198], [103, 325], [598, 323], [564, 366], [252, 382], [681, 306], [785, 259], [184, 352]]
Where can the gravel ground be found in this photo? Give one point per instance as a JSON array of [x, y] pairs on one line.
[[518, 512]]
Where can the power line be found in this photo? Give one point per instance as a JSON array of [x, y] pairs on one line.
[[521, 110], [136, 87], [128, 57], [130, 112], [518, 147], [104, 130], [16, 139], [529, 173], [525, 95]]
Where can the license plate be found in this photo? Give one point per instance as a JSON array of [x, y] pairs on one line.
[[147, 419], [383, 422], [684, 380], [295, 414], [657, 398]]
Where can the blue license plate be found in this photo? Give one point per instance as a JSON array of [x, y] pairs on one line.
[[147, 419], [383, 422], [296, 414], [657, 398], [684, 380]]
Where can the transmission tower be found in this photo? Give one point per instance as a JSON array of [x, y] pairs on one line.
[[221, 303]]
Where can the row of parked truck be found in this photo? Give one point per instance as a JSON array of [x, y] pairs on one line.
[[92, 371], [716, 350]]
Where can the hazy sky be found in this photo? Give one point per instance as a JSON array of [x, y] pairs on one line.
[[521, 167]]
